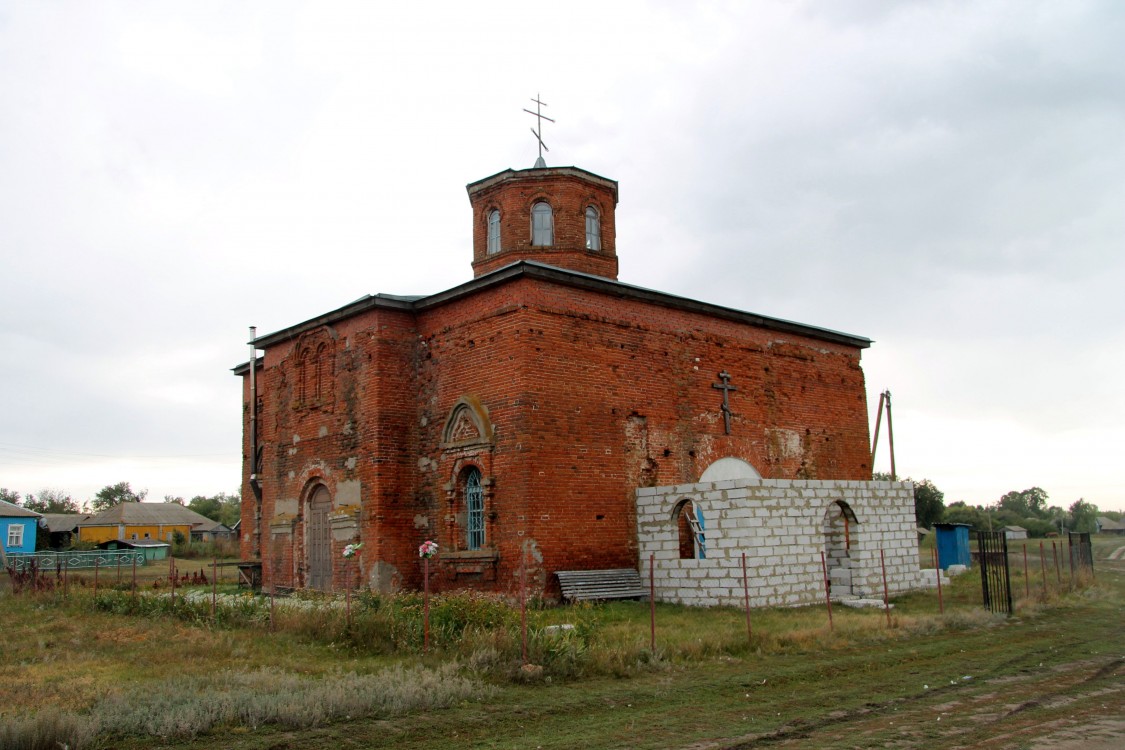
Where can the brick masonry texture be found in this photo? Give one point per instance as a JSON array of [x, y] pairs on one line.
[[780, 526], [566, 396]]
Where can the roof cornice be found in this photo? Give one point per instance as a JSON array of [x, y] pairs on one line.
[[540, 173], [527, 269]]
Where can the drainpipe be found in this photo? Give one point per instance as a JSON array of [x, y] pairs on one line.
[[255, 486]]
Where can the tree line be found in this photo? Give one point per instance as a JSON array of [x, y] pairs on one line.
[[223, 507], [1026, 508]]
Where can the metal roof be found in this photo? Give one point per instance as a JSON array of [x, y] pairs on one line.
[[10, 510], [563, 277], [141, 514]]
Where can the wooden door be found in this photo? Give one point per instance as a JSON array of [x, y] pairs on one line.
[[320, 541]]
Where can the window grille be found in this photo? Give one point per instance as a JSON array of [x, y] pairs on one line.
[[474, 506]]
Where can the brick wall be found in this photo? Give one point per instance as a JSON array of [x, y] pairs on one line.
[[588, 395], [568, 191]]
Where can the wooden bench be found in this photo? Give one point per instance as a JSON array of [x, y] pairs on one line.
[[624, 583]]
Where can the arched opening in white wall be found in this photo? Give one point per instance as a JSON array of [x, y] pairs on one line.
[[729, 468], [690, 528], [839, 528]]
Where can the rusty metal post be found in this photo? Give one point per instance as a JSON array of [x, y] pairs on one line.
[[886, 596], [891, 437], [651, 603], [1058, 572], [348, 603], [173, 588], [937, 575], [119, 567], [523, 604], [134, 556], [425, 604], [827, 590], [746, 598], [878, 422], [1043, 567], [1026, 580], [273, 622], [95, 578], [65, 576], [214, 584]]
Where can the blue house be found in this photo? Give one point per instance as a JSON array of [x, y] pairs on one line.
[[17, 527]]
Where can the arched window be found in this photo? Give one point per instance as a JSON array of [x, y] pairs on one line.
[[542, 225], [593, 229], [493, 232], [474, 509], [303, 377], [320, 388]]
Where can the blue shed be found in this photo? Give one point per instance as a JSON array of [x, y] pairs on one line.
[[953, 544], [17, 528]]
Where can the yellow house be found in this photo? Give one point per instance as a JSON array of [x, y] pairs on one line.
[[135, 521]]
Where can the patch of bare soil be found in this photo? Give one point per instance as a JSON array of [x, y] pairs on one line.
[[1075, 705]]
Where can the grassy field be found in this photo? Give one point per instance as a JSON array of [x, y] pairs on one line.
[[1048, 676]]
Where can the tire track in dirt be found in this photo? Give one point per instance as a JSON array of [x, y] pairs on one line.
[[1076, 701]]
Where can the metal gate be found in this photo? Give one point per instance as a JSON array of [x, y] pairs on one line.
[[320, 541], [1081, 554], [995, 581]]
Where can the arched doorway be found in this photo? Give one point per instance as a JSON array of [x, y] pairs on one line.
[[690, 530], [319, 540], [839, 532]]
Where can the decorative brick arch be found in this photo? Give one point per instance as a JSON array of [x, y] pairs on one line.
[[467, 426]]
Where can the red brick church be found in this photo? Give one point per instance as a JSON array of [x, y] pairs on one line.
[[516, 414]]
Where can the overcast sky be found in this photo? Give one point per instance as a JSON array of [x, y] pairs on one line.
[[946, 178]]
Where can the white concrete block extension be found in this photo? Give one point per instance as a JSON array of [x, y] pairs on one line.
[[782, 526]]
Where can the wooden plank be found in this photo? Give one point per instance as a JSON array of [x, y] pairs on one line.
[[622, 583]]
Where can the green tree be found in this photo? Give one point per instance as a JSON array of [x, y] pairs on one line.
[[1029, 502], [929, 503], [206, 506], [173, 499], [224, 508], [232, 508], [115, 494], [960, 512], [1083, 516], [1037, 527], [9, 496], [51, 501]]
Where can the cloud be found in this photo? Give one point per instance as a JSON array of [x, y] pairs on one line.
[[943, 178]]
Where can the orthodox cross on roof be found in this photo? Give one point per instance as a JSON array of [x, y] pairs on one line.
[[539, 133], [726, 388]]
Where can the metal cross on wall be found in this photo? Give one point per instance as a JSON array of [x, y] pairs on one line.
[[726, 388], [539, 133]]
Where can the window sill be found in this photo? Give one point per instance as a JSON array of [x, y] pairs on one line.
[[471, 565], [470, 555]]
